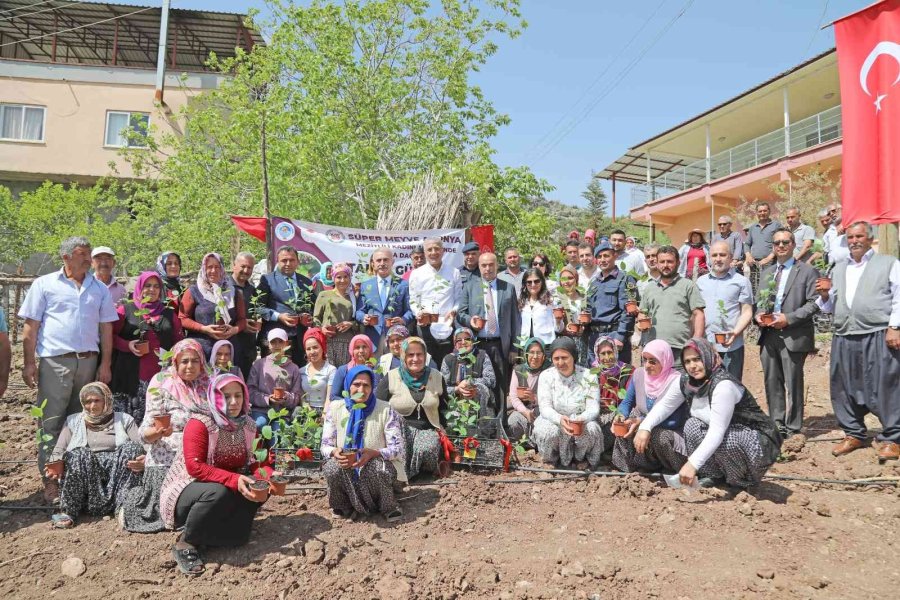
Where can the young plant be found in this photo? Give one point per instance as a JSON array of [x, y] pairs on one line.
[[306, 429], [221, 311], [765, 297], [462, 414], [820, 264], [256, 306], [42, 438], [723, 314], [519, 444], [261, 454], [632, 278]]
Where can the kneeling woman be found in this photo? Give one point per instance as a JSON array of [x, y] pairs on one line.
[[523, 390], [613, 377], [392, 359], [729, 438], [569, 402], [206, 490], [363, 440], [468, 372], [102, 457], [657, 381]]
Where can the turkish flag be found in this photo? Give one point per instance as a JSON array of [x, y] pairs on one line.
[[868, 49], [255, 226], [484, 236]]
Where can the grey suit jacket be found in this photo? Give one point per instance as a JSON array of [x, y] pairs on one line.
[[471, 304], [798, 306]]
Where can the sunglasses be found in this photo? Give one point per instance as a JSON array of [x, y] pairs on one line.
[[533, 282], [782, 243], [537, 263]]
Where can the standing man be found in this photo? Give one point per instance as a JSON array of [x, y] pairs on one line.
[[758, 247], [245, 348], [513, 272], [470, 254], [606, 298], [103, 260], [5, 354], [288, 300], [733, 239], [650, 251], [588, 265], [417, 258], [489, 306], [383, 301], [804, 235], [785, 344], [435, 288], [634, 261], [69, 318], [729, 306], [674, 305], [865, 349], [571, 252]]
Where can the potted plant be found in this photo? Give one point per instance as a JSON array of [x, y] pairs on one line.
[[631, 292], [644, 321], [721, 337], [281, 375], [259, 487], [441, 285], [821, 265], [162, 421], [301, 306], [254, 311], [558, 311], [619, 427], [765, 301]]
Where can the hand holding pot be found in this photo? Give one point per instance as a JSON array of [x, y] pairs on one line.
[[330, 331], [365, 455], [730, 336], [253, 326], [136, 465], [344, 326], [566, 424], [289, 320], [162, 432], [780, 321], [213, 331], [344, 458], [642, 440], [525, 394], [633, 425], [244, 488], [132, 345]]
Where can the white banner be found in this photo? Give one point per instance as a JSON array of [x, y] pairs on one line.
[[318, 243]]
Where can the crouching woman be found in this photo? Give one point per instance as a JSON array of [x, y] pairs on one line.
[[363, 440], [206, 490]]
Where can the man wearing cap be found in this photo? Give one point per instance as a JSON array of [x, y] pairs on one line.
[[417, 258], [470, 269], [606, 298], [69, 318], [732, 238], [103, 260]]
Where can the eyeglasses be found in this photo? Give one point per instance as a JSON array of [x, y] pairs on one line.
[[782, 242], [537, 263], [533, 282]]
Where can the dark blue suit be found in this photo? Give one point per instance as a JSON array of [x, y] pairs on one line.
[[397, 305], [275, 289]]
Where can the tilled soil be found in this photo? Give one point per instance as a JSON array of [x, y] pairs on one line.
[[475, 536]]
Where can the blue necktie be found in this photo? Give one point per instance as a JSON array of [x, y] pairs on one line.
[[382, 291]]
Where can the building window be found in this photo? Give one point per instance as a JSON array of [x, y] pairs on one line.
[[126, 129], [22, 123]]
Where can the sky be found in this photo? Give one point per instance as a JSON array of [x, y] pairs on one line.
[[590, 78]]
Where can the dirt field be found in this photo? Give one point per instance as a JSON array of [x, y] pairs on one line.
[[476, 538]]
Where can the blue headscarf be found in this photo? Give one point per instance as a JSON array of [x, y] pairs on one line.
[[356, 424]]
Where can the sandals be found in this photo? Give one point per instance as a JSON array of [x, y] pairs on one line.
[[188, 561], [394, 516], [62, 521]]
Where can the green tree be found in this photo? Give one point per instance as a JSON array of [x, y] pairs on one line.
[[596, 198]]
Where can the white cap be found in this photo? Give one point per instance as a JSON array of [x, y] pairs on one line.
[[102, 250], [278, 334]]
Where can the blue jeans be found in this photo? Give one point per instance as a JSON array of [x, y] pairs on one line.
[[260, 415], [734, 362]]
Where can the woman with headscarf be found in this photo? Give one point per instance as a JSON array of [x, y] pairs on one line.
[[323, 280], [693, 256], [613, 377], [729, 438], [212, 309], [221, 359], [172, 394], [468, 372], [419, 395], [361, 351], [523, 399], [655, 382], [275, 370], [566, 429], [207, 489], [146, 318], [536, 308], [168, 267], [571, 299], [392, 359], [317, 375], [334, 313], [362, 439], [102, 457]]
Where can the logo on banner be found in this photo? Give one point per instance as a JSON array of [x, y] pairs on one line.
[[335, 236], [284, 231], [889, 48]]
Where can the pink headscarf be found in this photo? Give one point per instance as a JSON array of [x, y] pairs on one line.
[[662, 352], [155, 308], [353, 343], [189, 393], [216, 402]]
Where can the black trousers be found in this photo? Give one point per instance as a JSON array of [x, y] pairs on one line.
[[494, 349], [438, 349], [213, 515]]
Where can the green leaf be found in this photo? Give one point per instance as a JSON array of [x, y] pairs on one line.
[[267, 432]]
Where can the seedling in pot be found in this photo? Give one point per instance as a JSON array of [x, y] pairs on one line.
[[822, 266], [723, 322], [765, 301]]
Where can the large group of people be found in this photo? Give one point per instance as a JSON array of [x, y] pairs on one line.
[[152, 400]]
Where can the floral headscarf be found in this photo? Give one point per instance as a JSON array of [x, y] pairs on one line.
[[101, 421], [217, 407], [216, 292], [711, 361], [215, 349], [189, 393]]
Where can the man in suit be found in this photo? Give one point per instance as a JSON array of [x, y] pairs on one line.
[[383, 300], [288, 299], [785, 343], [488, 305]]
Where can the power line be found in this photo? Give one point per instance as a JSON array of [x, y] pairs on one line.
[[597, 80], [816, 31], [37, 37], [622, 74], [26, 7], [43, 10]]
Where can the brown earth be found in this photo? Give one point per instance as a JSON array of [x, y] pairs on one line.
[[475, 537]]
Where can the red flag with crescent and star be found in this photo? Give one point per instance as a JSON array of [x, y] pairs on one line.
[[868, 49]]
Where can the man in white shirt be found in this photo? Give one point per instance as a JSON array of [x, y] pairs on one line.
[[588, 265], [434, 291], [634, 261], [865, 348]]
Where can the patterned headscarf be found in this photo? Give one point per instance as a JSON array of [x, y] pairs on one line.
[[217, 407], [413, 382], [400, 330], [189, 393], [341, 268], [101, 421], [617, 365], [216, 292], [137, 295], [711, 361], [354, 342], [459, 331], [316, 333], [171, 283]]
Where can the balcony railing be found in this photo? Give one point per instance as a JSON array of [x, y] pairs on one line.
[[806, 133]]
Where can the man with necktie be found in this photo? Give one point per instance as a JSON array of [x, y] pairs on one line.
[[383, 300]]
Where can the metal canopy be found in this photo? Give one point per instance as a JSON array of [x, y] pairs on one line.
[[632, 167], [61, 31]]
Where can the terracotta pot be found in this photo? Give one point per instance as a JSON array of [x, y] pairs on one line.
[[559, 313], [254, 324], [619, 428], [477, 323], [767, 319], [278, 485], [631, 307], [584, 318], [721, 337], [455, 456], [573, 329], [162, 421], [523, 389], [371, 320], [278, 393], [577, 427], [55, 468], [306, 319], [143, 347], [643, 324], [823, 283], [259, 489], [431, 318]]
